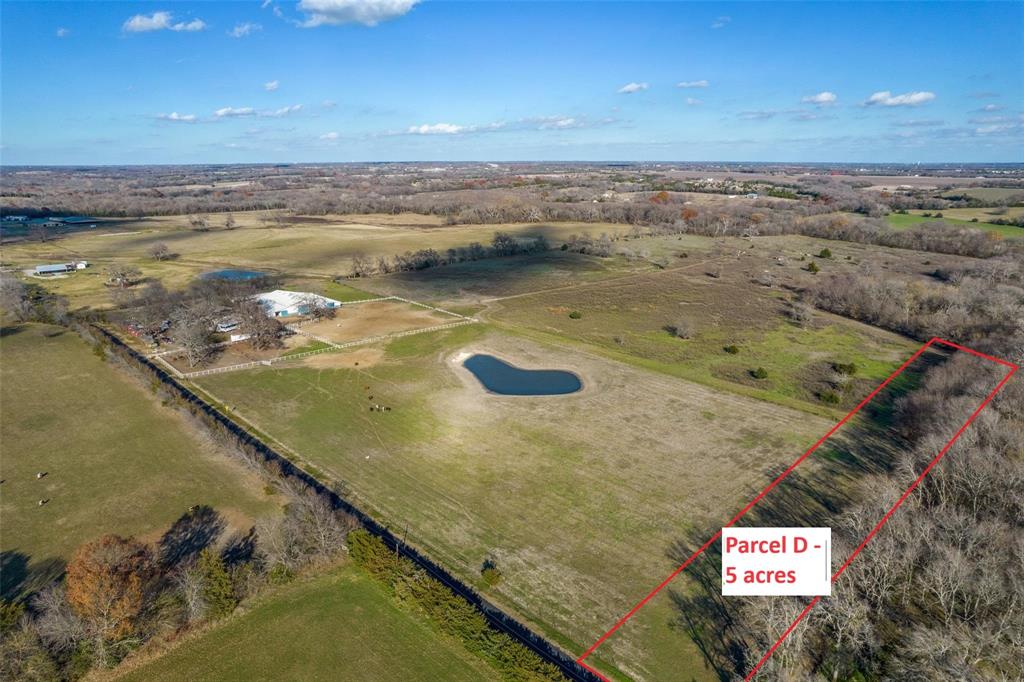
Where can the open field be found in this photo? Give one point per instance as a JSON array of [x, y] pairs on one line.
[[115, 460], [981, 214], [319, 247], [550, 489], [336, 626], [899, 221], [376, 318], [477, 282], [985, 193], [629, 317]]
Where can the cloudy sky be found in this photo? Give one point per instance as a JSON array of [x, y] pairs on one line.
[[367, 80]]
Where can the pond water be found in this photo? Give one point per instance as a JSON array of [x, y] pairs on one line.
[[498, 376], [232, 274]]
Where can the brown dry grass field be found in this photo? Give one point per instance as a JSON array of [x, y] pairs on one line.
[[318, 246], [577, 498], [376, 318]]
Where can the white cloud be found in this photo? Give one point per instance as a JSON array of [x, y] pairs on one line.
[[232, 112], [242, 30], [328, 104], [822, 99], [919, 123], [756, 115], [693, 84], [721, 22], [283, 111], [62, 32], [270, 86], [179, 118], [549, 123], [330, 136], [160, 21], [555, 122], [885, 98], [437, 129], [241, 112], [991, 107], [693, 101], [365, 12], [630, 88]]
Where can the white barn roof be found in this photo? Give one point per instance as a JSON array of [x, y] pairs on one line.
[[282, 302]]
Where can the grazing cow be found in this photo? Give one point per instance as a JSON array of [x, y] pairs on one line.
[[42, 502], [40, 474]]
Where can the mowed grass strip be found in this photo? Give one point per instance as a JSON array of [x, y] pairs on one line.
[[115, 460], [338, 626]]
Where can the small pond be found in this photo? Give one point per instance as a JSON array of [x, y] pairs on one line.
[[500, 377], [232, 274]]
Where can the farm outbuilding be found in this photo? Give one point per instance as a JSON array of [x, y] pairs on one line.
[[281, 303], [59, 268]]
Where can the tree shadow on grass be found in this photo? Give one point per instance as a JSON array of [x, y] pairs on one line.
[[189, 535], [20, 577]]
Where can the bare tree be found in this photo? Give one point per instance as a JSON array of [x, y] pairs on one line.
[[160, 251], [123, 275], [191, 327], [317, 308], [14, 299], [361, 266], [263, 330]]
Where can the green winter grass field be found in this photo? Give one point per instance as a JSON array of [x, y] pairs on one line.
[[902, 221], [116, 461], [337, 626]]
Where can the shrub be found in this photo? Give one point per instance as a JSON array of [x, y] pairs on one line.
[[681, 329], [732, 349], [575, 315], [280, 574], [452, 614], [847, 368], [829, 397], [759, 373], [825, 253], [813, 268], [218, 587], [490, 573]]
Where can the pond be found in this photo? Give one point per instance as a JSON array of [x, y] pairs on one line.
[[498, 376], [232, 274]]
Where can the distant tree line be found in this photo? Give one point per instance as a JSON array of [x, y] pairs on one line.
[[502, 245]]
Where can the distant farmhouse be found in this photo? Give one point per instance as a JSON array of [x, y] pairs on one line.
[[281, 303], [51, 269]]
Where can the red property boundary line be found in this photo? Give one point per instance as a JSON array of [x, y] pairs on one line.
[[934, 340]]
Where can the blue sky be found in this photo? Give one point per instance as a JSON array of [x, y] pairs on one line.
[[381, 80]]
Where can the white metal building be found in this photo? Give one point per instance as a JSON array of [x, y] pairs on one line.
[[281, 303]]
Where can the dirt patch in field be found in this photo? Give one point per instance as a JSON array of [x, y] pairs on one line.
[[361, 358], [367, 320]]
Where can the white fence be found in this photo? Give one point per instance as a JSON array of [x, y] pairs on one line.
[[330, 349]]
